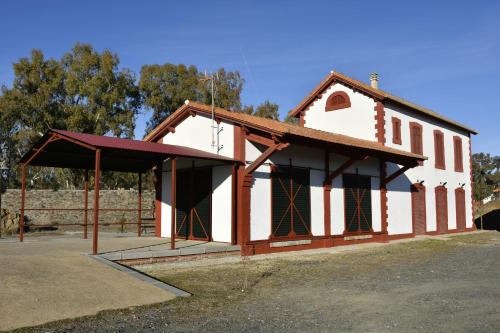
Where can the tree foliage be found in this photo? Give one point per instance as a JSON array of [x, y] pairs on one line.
[[87, 91], [84, 91], [166, 87], [265, 110], [485, 174]]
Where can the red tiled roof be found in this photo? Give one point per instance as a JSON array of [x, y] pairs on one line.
[[283, 129], [376, 93]]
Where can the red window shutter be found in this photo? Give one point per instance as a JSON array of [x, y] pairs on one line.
[[457, 145], [396, 130], [416, 138], [439, 149]]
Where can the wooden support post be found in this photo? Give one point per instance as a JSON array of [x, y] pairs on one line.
[[139, 205], [173, 203], [234, 214], [327, 187], [383, 197], [95, 226], [23, 197], [85, 203]]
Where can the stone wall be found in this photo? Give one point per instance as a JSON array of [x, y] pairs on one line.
[[126, 199]]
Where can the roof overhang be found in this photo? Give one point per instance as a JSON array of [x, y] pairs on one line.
[[337, 143], [66, 149], [376, 94]]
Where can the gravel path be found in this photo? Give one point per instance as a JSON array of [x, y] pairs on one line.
[[421, 286]]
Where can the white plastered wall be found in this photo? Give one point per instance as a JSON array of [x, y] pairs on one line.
[[399, 196], [357, 120], [221, 203], [196, 132]]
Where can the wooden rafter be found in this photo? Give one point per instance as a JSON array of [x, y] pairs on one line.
[[264, 156], [335, 173], [396, 174]]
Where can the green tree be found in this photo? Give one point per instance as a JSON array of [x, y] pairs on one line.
[[485, 174], [99, 98], [291, 120], [84, 91], [268, 110], [166, 87]]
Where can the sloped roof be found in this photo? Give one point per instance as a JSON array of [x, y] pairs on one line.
[[286, 130], [76, 150], [376, 93]]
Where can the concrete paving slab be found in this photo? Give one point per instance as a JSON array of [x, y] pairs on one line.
[[48, 278]]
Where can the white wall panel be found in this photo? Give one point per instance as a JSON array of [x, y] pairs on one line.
[[317, 203], [196, 132], [357, 120], [221, 203], [260, 204]]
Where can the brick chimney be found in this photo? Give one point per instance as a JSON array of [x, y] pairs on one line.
[[374, 80]]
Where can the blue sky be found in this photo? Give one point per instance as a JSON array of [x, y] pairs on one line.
[[443, 55]]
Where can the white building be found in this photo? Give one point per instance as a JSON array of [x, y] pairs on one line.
[[363, 165]]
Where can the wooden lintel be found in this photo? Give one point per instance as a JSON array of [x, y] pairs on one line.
[[396, 174]]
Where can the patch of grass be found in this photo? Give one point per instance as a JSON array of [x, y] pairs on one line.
[[220, 285], [483, 237]]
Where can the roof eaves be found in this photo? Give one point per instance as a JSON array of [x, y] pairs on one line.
[[375, 93], [159, 130]]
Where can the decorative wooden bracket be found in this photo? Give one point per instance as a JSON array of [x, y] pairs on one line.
[[264, 156], [335, 173], [396, 174]]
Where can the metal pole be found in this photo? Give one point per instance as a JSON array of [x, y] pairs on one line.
[[23, 197], [173, 201], [85, 203], [95, 226], [139, 206]]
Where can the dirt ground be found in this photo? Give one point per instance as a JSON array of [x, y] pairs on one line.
[[431, 285]]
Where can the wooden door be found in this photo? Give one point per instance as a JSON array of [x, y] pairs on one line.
[[194, 203], [460, 208], [418, 209], [357, 201], [291, 203], [441, 209]]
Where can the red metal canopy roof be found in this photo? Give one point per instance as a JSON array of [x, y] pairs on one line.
[[65, 149]]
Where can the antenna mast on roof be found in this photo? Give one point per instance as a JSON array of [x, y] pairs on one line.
[[215, 128]]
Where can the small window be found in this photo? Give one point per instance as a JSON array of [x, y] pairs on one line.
[[396, 130], [459, 158], [439, 149], [337, 100], [416, 138]]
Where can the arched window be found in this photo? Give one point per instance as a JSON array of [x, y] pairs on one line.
[[337, 100]]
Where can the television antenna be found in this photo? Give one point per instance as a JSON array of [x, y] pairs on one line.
[[216, 129]]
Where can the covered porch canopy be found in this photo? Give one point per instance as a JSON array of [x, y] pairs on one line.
[[64, 149]]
